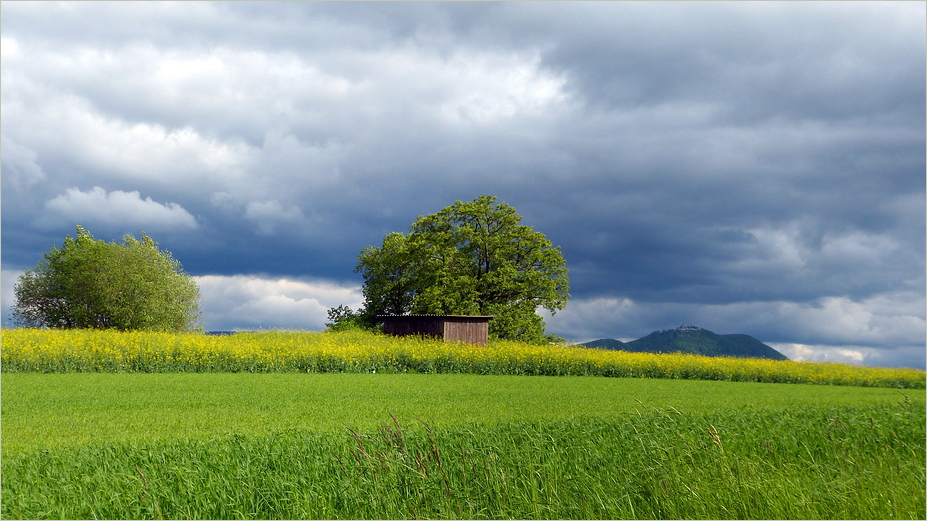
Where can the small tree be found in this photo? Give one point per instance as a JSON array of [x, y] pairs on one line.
[[343, 318], [469, 258], [93, 284]]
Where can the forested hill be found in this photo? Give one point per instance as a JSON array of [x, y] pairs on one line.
[[690, 339]]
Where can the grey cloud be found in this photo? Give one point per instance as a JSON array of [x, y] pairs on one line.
[[801, 61], [19, 164], [681, 154]]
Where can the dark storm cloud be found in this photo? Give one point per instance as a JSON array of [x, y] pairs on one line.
[[689, 158]]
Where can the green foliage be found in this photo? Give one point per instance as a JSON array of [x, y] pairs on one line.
[[391, 280], [343, 318], [89, 283], [469, 258]]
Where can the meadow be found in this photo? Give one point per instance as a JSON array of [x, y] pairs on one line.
[[308, 425]]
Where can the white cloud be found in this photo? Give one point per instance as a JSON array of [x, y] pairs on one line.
[[9, 49], [888, 328], [778, 250], [249, 301], [113, 148], [268, 215], [590, 319], [806, 353], [884, 320], [487, 88], [907, 356], [116, 207], [784, 249], [8, 279], [20, 170]]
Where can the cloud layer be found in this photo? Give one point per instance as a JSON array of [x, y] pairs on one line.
[[98, 206], [738, 164], [253, 302]]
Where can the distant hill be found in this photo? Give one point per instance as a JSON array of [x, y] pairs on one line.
[[691, 339], [605, 343]]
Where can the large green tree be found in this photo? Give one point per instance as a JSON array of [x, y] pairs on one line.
[[469, 258], [90, 283]]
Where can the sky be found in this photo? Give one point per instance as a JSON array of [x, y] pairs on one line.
[[754, 168]]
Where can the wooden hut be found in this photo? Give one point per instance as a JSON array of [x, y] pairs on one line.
[[471, 329]]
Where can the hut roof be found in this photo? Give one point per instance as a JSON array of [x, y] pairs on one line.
[[435, 316]]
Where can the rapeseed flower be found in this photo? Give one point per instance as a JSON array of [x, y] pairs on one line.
[[34, 350]]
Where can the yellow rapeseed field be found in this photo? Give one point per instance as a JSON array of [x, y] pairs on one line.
[[34, 350]]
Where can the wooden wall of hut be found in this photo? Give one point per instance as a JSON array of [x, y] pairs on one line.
[[470, 329]]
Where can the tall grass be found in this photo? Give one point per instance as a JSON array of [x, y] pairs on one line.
[[29, 350], [57, 411], [809, 463]]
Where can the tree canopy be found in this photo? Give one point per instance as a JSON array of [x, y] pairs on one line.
[[471, 258], [90, 283]]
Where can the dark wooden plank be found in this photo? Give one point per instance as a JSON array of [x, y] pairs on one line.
[[471, 329]]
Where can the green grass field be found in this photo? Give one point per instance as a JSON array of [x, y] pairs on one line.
[[62, 410], [102, 424], [223, 446]]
